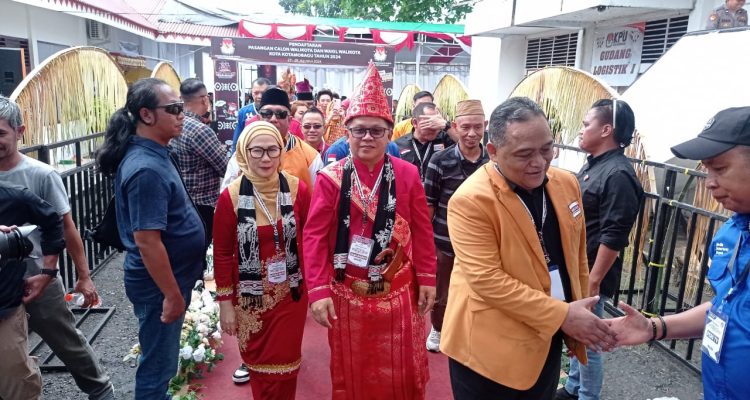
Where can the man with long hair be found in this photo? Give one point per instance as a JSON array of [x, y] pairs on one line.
[[158, 225]]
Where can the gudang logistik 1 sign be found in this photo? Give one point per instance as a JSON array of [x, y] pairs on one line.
[[617, 54]]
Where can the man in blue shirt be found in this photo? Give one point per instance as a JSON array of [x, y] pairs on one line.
[[259, 87], [724, 149], [340, 149], [158, 224]]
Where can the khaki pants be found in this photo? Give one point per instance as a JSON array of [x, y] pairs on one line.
[[50, 318], [20, 378]]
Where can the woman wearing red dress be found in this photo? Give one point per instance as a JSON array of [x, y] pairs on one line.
[[258, 265]]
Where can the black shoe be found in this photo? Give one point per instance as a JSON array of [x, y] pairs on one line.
[[242, 375], [563, 394]]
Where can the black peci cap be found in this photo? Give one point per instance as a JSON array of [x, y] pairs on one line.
[[275, 96], [728, 128]]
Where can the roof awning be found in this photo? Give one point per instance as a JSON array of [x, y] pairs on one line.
[[572, 15]]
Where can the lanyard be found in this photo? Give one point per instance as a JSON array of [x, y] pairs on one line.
[[272, 220], [541, 228], [419, 156], [366, 201], [547, 258], [740, 280]]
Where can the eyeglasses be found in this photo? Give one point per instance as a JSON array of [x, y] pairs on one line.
[[280, 114], [311, 126], [173, 108], [258, 152], [376, 133]]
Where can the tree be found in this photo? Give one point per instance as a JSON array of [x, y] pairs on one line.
[[437, 11]]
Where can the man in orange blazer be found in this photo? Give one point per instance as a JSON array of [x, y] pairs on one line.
[[520, 276]]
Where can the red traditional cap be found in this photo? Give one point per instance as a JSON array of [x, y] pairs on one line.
[[369, 99]]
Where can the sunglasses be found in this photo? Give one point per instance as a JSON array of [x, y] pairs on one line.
[[311, 126], [280, 114], [173, 108], [376, 133]]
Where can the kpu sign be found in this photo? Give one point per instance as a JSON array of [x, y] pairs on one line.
[[227, 51], [617, 54]]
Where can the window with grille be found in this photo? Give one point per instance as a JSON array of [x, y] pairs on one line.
[[554, 50], [18, 43], [660, 35]]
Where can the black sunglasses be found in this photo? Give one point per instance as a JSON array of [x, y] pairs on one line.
[[311, 126], [280, 114], [173, 108]]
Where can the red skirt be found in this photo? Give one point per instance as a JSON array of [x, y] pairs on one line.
[[274, 353], [378, 344]]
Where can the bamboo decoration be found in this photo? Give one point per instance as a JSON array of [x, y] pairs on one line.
[[167, 73], [135, 74], [448, 92], [71, 94], [406, 102], [566, 94]]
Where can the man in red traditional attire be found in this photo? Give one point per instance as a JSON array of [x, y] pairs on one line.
[[367, 282]]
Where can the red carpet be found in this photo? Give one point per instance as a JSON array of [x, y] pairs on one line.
[[314, 379]]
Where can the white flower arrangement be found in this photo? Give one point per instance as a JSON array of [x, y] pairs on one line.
[[199, 340]]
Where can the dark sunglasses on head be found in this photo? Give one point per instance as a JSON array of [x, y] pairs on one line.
[[173, 108], [311, 126], [280, 114]]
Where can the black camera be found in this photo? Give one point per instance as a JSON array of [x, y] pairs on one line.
[[16, 244]]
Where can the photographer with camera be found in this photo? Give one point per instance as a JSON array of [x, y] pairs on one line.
[[49, 315], [19, 374]]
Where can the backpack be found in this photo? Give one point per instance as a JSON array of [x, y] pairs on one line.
[[106, 233]]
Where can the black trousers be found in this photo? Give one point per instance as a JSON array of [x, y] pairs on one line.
[[207, 215], [469, 385]]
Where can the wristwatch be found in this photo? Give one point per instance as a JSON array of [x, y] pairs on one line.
[[52, 272], [447, 126]]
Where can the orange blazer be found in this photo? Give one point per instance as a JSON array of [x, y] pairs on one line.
[[500, 317]]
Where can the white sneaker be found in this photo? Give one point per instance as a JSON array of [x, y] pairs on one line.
[[242, 375], [433, 341]]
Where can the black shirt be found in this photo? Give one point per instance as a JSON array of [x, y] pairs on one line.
[[446, 171], [19, 207], [612, 196], [550, 229], [420, 154]]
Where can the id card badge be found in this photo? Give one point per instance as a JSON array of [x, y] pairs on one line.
[[557, 287], [277, 270], [713, 335], [359, 251]]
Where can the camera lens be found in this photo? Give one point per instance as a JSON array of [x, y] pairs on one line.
[[14, 245]]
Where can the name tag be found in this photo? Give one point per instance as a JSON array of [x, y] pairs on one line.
[[713, 335], [359, 251], [277, 271], [556, 290], [575, 209]]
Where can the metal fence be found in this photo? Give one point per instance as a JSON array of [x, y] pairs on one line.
[[662, 252], [88, 190]]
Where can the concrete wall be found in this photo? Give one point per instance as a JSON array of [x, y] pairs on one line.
[[58, 30], [38, 24], [497, 64]]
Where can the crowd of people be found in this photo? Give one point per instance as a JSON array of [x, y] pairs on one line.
[[331, 208]]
